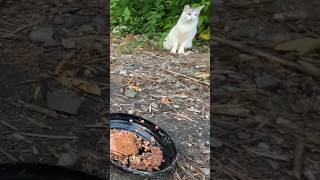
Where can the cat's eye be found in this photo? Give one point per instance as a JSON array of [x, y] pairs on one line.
[[189, 14]]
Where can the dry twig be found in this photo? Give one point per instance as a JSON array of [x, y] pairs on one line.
[[187, 77], [298, 159], [49, 136]]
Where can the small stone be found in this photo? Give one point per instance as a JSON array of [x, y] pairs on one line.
[[72, 20], [176, 106], [278, 17], [282, 121], [266, 81], [87, 72], [123, 72], [51, 43], [206, 171], [243, 135], [58, 20], [219, 93], [68, 43], [131, 111], [42, 35], [100, 20], [130, 93], [154, 105], [86, 28], [68, 159], [263, 145], [64, 100]]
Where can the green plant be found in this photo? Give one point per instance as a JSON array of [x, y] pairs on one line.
[[153, 18]]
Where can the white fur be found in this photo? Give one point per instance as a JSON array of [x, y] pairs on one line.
[[181, 35]]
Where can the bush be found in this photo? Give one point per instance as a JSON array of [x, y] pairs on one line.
[[153, 18]]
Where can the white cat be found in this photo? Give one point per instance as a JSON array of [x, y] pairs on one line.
[[182, 34]]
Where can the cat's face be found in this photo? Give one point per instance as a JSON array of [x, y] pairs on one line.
[[190, 14]]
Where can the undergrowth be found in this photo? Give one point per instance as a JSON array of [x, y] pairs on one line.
[[153, 19]]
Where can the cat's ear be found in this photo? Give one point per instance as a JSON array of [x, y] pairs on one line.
[[199, 8], [186, 7]]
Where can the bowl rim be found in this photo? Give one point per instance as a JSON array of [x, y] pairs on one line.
[[134, 171]]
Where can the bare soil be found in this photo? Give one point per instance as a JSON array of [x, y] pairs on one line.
[[29, 57], [265, 115], [175, 102]]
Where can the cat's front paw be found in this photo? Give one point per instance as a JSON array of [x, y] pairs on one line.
[[181, 51], [173, 51], [185, 53]]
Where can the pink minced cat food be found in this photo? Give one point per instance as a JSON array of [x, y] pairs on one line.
[[128, 149]]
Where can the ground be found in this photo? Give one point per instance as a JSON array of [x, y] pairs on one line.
[[186, 119], [265, 114], [40, 41]]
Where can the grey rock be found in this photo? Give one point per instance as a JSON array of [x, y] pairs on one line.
[[86, 28], [68, 43], [266, 81], [63, 100], [42, 35], [123, 72], [130, 93], [263, 145], [154, 105], [51, 43], [100, 20], [243, 135], [71, 20], [282, 121], [68, 159], [58, 20], [113, 88], [220, 93], [289, 16], [245, 31], [176, 106], [206, 171]]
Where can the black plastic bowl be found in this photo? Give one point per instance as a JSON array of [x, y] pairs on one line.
[[34, 171], [146, 130]]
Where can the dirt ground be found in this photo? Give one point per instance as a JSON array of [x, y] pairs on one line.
[[154, 72], [44, 116], [265, 115]]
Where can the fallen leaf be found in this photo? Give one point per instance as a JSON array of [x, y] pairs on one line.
[[203, 75], [166, 100], [302, 45], [205, 35], [133, 86], [83, 85]]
